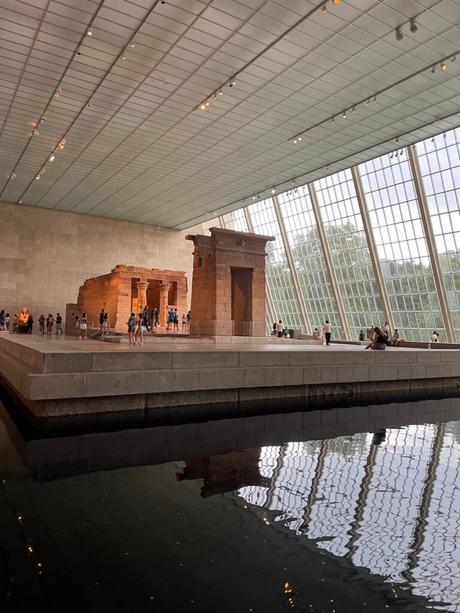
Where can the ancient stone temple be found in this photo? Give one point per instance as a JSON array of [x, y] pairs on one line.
[[128, 289], [228, 288]]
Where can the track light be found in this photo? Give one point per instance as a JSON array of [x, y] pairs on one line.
[[433, 69], [453, 58], [52, 157], [398, 34], [132, 45], [324, 8], [273, 190], [344, 114], [57, 91], [254, 197], [412, 25], [444, 67], [89, 32], [220, 92], [353, 109], [397, 139], [232, 82], [203, 106], [61, 143]]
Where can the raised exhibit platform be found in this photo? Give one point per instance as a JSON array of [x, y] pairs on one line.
[[170, 380]]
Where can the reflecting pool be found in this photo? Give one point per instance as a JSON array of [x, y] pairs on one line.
[[353, 509]]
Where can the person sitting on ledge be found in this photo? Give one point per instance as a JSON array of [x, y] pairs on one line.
[[317, 335], [395, 339], [280, 329], [435, 337], [379, 339]]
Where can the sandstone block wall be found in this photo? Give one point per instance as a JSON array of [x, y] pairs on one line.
[[46, 255]]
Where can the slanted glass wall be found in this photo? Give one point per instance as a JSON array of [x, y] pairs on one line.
[[279, 279], [406, 273], [402, 249], [304, 242], [439, 160], [350, 255]]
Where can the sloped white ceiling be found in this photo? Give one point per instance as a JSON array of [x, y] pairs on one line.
[[137, 147]]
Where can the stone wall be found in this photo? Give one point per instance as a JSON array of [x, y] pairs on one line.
[[46, 255]]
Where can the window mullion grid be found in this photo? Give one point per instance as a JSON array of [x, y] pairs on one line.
[[328, 261], [295, 279], [268, 297], [429, 237], [387, 312]]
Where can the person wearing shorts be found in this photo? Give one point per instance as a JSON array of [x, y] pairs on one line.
[[83, 326]]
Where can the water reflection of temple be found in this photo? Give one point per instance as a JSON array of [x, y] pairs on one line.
[[224, 473], [392, 507]]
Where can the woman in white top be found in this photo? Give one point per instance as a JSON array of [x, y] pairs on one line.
[[435, 337], [327, 329], [280, 328]]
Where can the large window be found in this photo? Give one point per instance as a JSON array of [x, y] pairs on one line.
[[236, 221], [279, 280], [350, 255], [402, 249], [302, 232], [439, 160]]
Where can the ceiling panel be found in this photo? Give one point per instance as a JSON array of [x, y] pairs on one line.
[[138, 148]]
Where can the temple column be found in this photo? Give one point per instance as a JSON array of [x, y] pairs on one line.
[[141, 294], [163, 307]]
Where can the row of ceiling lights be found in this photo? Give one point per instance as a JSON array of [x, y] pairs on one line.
[[206, 103]]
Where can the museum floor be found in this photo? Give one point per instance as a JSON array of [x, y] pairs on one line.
[[189, 379]]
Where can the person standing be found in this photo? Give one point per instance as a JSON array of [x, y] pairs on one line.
[[3, 327], [386, 331], [327, 331], [140, 329], [280, 328], [435, 337], [184, 322], [7, 321], [105, 324], [176, 320], [131, 329], [362, 336], [30, 324], [49, 323], [83, 326], [101, 317], [59, 324]]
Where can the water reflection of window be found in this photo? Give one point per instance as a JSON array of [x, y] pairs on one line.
[[439, 159], [279, 280], [391, 507], [302, 232], [401, 246]]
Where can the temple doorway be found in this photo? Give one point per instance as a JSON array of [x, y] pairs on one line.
[[153, 294], [241, 300]]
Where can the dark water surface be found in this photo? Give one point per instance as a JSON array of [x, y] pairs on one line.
[[354, 509]]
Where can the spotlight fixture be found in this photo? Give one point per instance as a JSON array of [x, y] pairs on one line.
[[220, 92], [203, 106], [453, 58], [254, 197], [433, 69], [336, 2], [52, 157], [295, 141], [89, 32], [123, 57], [324, 8], [368, 101], [344, 114], [34, 132], [273, 190], [332, 119], [444, 67], [132, 45], [57, 91], [300, 139], [232, 82], [412, 25], [353, 109], [38, 177], [61, 143], [374, 98], [397, 139], [398, 34]]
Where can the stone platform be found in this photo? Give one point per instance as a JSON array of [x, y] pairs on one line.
[[55, 378]]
